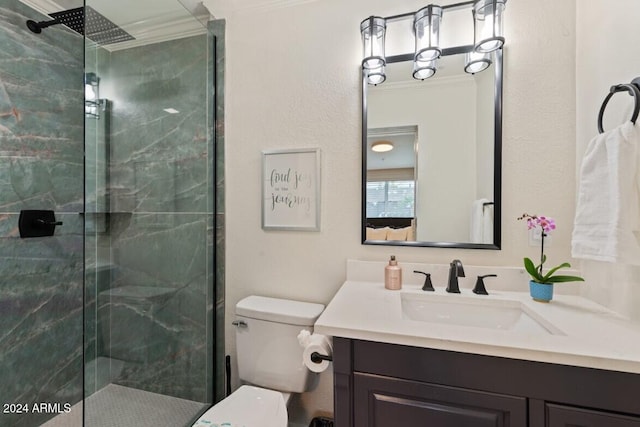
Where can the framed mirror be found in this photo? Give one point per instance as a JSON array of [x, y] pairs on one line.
[[439, 185]]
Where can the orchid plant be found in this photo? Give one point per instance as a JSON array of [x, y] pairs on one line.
[[546, 225]]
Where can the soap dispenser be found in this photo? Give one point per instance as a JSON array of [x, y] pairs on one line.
[[393, 275]]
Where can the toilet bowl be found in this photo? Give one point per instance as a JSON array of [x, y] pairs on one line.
[[248, 406], [269, 363]]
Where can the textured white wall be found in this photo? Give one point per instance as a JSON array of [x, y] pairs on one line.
[[293, 80], [607, 55]]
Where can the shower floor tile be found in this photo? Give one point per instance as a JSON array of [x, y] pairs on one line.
[[118, 406]]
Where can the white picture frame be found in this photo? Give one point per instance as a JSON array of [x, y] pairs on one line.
[[291, 189]]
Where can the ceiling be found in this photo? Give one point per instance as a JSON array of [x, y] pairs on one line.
[[148, 21], [153, 21]]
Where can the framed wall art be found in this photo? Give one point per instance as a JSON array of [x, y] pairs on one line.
[[291, 189]]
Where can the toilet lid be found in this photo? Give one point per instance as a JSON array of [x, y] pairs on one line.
[[248, 406]]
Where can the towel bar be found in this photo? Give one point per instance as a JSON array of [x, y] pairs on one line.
[[634, 90]]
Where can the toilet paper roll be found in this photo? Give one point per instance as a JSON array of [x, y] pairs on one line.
[[320, 344], [303, 338]]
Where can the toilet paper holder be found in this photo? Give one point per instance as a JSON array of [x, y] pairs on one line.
[[318, 358]]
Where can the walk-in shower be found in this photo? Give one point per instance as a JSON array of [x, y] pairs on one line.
[[107, 118]]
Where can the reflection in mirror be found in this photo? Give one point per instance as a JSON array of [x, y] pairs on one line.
[[439, 185], [391, 179]]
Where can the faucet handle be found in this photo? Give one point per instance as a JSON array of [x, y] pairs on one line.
[[428, 286], [479, 288]]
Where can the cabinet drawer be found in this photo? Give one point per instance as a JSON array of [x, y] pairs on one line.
[[391, 402], [567, 416]]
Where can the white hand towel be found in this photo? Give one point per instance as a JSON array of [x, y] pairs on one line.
[[477, 221], [487, 224], [607, 222]]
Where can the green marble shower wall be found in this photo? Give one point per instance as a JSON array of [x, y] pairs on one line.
[[41, 167]]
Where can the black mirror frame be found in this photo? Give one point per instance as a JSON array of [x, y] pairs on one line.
[[497, 168]]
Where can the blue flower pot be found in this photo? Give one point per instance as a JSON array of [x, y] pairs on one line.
[[540, 291]]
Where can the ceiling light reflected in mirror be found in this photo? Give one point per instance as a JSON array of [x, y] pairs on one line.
[[382, 146]]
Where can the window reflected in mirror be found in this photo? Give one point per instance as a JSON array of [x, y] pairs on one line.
[[391, 183]]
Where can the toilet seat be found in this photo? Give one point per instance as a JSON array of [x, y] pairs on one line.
[[248, 406]]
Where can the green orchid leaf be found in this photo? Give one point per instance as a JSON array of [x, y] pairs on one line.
[[560, 279], [532, 270], [554, 269]]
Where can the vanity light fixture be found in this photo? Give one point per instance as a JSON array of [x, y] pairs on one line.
[[91, 95], [376, 76], [474, 62], [373, 30], [487, 37], [423, 70], [487, 25], [382, 146], [426, 27]]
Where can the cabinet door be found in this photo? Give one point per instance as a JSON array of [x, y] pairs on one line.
[[391, 402], [566, 416]]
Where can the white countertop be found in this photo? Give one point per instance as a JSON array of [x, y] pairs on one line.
[[587, 334]]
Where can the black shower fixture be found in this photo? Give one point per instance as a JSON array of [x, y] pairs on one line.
[[87, 22]]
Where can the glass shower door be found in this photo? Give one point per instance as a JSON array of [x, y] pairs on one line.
[[149, 229]]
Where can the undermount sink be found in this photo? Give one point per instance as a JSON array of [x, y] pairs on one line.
[[509, 315]]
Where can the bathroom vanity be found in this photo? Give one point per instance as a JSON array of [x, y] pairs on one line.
[[414, 358], [381, 384]]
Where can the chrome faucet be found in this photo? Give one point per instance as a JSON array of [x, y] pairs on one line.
[[455, 270]]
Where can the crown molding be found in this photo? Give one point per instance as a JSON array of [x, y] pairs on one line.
[[271, 4], [225, 8], [159, 30]]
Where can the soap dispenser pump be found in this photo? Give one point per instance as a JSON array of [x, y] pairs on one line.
[[393, 275]]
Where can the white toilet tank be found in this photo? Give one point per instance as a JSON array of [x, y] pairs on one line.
[[269, 354]]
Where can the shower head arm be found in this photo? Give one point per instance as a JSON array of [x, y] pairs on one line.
[[37, 27]]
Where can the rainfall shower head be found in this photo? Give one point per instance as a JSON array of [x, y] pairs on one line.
[[95, 27]]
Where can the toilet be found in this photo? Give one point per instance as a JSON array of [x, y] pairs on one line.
[[269, 363]]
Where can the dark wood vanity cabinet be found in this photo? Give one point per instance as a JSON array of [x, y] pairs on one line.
[[565, 416], [382, 401], [388, 385]]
